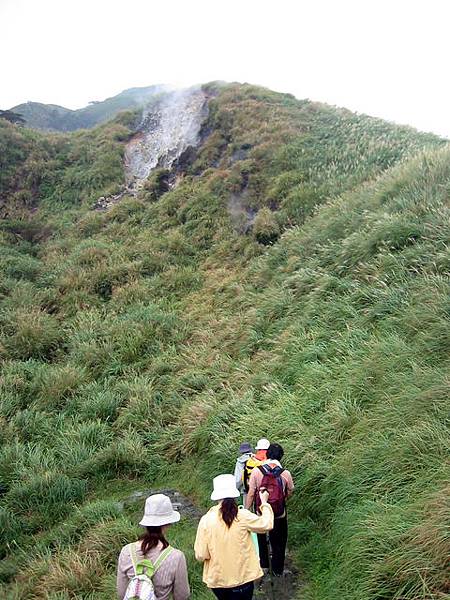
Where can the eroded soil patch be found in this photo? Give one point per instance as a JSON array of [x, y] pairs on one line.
[[179, 502]]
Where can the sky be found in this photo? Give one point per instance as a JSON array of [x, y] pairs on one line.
[[383, 58]]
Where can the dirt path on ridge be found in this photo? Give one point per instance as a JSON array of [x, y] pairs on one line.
[[283, 588]]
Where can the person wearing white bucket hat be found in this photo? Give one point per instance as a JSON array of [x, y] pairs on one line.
[[252, 461], [224, 542], [152, 551], [262, 444]]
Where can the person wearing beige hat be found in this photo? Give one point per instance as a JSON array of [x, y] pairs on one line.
[[170, 578], [224, 543]]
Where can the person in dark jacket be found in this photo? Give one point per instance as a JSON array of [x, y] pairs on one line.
[[278, 535]]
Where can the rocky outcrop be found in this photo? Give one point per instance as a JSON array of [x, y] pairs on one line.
[[166, 138], [106, 202], [169, 126]]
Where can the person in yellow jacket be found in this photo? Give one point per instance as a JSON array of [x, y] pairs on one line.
[[224, 543]]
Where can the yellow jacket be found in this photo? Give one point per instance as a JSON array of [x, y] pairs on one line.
[[228, 554]]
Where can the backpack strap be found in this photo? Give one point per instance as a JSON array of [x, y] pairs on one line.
[[133, 554], [265, 469], [244, 476], [277, 471], [151, 567], [162, 557]]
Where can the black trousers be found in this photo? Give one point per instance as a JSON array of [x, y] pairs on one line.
[[241, 592], [278, 540]]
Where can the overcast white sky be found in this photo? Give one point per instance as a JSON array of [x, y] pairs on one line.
[[384, 58]]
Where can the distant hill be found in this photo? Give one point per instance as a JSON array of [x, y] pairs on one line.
[[51, 117]]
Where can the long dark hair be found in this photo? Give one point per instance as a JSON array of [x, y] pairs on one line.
[[151, 538], [228, 510]]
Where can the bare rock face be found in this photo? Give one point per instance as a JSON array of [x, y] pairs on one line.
[[169, 126], [169, 131]]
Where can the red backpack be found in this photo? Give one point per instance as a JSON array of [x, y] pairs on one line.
[[273, 483]]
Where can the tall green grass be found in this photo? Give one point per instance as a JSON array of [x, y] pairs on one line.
[[142, 345]]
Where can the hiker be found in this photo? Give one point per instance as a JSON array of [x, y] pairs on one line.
[[278, 481], [224, 542], [153, 553], [253, 461], [245, 452], [261, 449]]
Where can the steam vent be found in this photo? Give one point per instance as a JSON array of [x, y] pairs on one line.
[[170, 124]]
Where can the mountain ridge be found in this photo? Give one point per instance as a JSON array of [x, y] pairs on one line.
[[52, 117]]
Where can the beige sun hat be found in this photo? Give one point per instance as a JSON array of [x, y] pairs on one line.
[[224, 487], [262, 444], [159, 511]]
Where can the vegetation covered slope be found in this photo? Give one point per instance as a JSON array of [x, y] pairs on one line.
[[293, 285]]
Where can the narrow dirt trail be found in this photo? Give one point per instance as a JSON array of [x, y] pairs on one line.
[[283, 588]]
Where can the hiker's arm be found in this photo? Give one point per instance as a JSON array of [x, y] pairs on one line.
[[251, 490], [201, 543], [289, 484], [181, 589], [122, 579], [238, 470], [263, 523]]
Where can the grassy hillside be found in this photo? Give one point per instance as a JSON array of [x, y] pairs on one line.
[[294, 284], [59, 172]]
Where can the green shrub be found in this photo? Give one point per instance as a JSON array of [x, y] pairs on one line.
[[126, 457], [90, 224], [125, 209], [34, 334], [46, 498], [11, 528], [98, 401], [31, 425], [265, 227], [57, 384], [156, 185], [20, 267]]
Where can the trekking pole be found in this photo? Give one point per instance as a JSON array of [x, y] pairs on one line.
[[272, 583]]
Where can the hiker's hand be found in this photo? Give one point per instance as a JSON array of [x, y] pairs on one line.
[[264, 495]]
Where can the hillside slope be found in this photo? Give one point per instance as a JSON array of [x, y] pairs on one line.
[[292, 283]]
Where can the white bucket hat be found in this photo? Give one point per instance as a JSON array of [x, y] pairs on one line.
[[262, 444], [224, 487], [159, 511]]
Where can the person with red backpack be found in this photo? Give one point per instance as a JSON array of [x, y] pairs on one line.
[[271, 476]]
